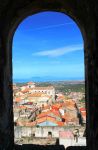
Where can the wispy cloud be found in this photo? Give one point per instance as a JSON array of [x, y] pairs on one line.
[[51, 26], [59, 51], [54, 26]]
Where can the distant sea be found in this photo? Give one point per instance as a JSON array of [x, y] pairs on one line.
[[47, 79]]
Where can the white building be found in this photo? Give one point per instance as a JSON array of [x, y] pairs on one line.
[[30, 84], [50, 90]]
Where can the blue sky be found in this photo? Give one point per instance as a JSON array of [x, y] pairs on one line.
[[48, 44]]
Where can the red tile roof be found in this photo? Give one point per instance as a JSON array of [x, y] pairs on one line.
[[40, 120], [56, 106], [31, 83], [82, 109], [25, 90], [60, 123], [17, 99], [56, 113], [37, 94], [22, 107], [48, 113], [51, 119]]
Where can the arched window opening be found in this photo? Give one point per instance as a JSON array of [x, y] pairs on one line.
[[48, 80]]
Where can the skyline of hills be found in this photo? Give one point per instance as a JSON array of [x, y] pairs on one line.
[[47, 79]]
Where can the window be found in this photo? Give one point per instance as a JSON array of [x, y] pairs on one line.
[[81, 17], [50, 134], [55, 61]]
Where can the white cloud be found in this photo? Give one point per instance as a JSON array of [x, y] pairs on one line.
[[54, 26], [59, 51], [51, 26]]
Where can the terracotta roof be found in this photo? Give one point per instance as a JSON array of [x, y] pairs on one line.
[[30, 123], [57, 113], [37, 94], [22, 107], [29, 98], [20, 123], [17, 99], [69, 105], [82, 109], [43, 114], [25, 90], [40, 120], [31, 83], [56, 106], [61, 97], [51, 119], [60, 123], [68, 117], [83, 113], [48, 114]]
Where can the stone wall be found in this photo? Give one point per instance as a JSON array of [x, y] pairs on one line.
[[41, 132], [72, 142]]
